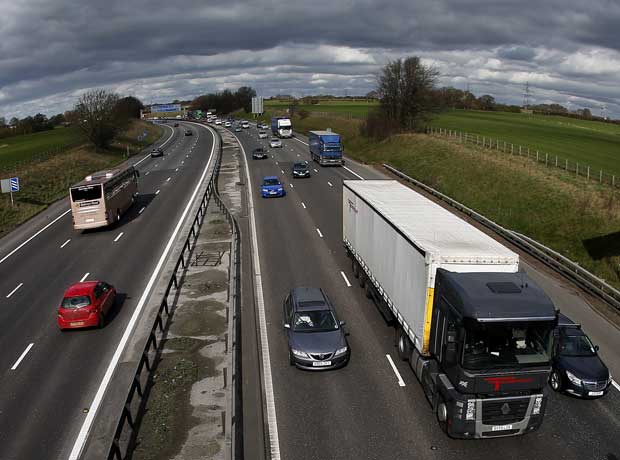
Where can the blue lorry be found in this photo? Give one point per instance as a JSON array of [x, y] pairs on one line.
[[325, 147]]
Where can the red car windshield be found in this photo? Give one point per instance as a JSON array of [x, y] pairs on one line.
[[76, 302]]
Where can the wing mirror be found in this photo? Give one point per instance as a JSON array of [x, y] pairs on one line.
[[342, 323], [596, 348]]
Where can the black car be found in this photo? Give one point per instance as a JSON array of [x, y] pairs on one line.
[[176, 125], [188, 132], [316, 339], [157, 152], [577, 368], [301, 170], [259, 154]]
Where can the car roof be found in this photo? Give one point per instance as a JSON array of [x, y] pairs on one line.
[[313, 297], [270, 177], [81, 288]]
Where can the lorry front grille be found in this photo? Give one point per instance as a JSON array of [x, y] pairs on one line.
[[501, 412]]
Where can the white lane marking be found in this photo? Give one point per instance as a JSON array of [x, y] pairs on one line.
[[65, 243], [303, 205], [168, 180], [272, 423], [14, 290], [315, 170], [300, 141], [84, 277], [346, 280], [176, 170], [291, 185], [161, 146], [155, 165], [147, 173], [319, 232], [141, 209], [118, 237], [276, 161], [157, 192], [329, 183], [354, 173], [298, 155], [23, 355], [282, 171], [35, 235], [94, 406], [183, 162], [615, 384], [401, 382]]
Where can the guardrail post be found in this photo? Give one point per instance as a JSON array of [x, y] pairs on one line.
[[512, 149], [546, 159], [519, 150], [613, 180], [577, 170], [536, 156]]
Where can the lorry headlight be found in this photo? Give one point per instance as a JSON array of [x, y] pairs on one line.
[[341, 351], [301, 354], [573, 379], [537, 405], [470, 414]]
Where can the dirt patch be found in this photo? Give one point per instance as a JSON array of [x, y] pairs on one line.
[[200, 318], [205, 283]]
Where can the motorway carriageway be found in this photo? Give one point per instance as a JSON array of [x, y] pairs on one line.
[[374, 408], [48, 378]]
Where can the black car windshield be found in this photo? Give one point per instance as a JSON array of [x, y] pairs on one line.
[[76, 302], [314, 321], [300, 166], [489, 346], [576, 345], [271, 182]]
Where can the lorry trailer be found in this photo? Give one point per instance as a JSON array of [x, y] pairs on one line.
[[325, 147], [281, 127], [477, 332]]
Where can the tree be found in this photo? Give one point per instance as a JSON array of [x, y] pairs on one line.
[[129, 107], [2, 122], [486, 102], [244, 97], [292, 109], [97, 116], [405, 88]]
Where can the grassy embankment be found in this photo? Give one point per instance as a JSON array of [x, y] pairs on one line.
[[43, 182], [353, 108], [573, 216]]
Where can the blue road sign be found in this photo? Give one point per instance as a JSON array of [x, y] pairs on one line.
[[14, 184]]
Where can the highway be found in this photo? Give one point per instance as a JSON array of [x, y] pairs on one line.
[[371, 409], [48, 378]]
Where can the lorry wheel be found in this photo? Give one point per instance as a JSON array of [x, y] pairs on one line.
[[403, 345], [555, 380], [356, 269], [362, 280], [368, 290], [442, 414]]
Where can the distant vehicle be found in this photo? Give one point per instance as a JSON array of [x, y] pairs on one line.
[[262, 135], [576, 367], [188, 132], [275, 143], [102, 197], [301, 170], [316, 338], [262, 126], [325, 147], [218, 121], [157, 152], [281, 127], [176, 125], [227, 124], [245, 124], [259, 154], [85, 304], [179, 116], [476, 332], [237, 129], [272, 186]]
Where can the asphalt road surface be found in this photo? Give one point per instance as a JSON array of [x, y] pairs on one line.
[[48, 378], [361, 411]]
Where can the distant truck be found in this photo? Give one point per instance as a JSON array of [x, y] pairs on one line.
[[281, 127], [325, 147], [476, 332]]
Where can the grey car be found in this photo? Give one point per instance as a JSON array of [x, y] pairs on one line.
[[316, 338]]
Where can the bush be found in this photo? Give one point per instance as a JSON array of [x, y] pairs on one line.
[[303, 113], [379, 126]]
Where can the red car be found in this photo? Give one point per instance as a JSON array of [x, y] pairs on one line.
[[85, 304]]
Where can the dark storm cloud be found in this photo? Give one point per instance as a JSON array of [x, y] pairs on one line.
[[158, 50]]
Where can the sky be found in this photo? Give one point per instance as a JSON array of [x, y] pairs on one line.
[[51, 51]]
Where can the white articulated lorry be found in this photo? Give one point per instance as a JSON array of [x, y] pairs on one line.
[[476, 332]]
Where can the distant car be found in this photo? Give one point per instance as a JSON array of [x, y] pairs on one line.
[[263, 126], [275, 143], [245, 124], [157, 152], [271, 187], [227, 124], [262, 135], [86, 304], [576, 366], [237, 129], [188, 132], [176, 125], [218, 121], [259, 154], [300, 170], [316, 338], [179, 116]]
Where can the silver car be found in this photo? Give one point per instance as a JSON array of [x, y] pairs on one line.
[[275, 143]]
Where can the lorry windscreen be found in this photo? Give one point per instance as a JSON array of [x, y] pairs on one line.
[[500, 345]]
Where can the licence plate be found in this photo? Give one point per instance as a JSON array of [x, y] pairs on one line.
[[273, 193], [77, 323], [501, 428], [595, 393], [90, 220], [321, 363]]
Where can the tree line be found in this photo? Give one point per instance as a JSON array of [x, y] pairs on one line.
[[29, 124], [226, 101]]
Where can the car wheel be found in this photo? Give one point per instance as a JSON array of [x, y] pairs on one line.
[[403, 344], [356, 269], [101, 321], [290, 358], [555, 380], [442, 414]]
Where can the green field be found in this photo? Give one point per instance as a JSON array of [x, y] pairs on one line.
[[20, 149], [353, 108], [585, 142]]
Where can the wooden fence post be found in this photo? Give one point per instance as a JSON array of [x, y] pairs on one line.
[[546, 159], [588, 172], [556, 161], [600, 177]]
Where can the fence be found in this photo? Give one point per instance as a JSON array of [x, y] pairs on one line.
[[153, 345], [555, 161], [556, 261]]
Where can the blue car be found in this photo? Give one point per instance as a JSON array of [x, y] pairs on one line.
[[272, 187]]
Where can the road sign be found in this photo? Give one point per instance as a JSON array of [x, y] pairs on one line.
[[9, 186], [14, 184]]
